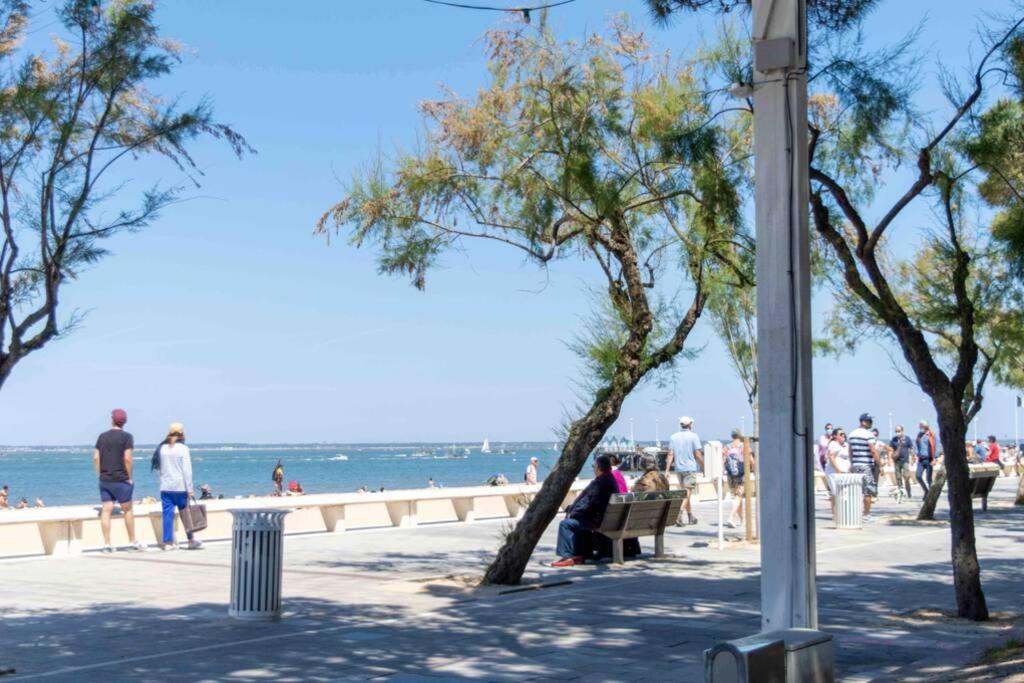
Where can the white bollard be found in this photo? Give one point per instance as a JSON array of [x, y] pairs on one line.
[[257, 560], [849, 500]]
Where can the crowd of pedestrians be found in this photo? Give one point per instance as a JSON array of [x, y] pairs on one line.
[[862, 451]]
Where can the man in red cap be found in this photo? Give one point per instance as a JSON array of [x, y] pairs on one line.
[[112, 459]]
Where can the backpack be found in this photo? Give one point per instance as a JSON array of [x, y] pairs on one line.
[[274, 476], [734, 464]]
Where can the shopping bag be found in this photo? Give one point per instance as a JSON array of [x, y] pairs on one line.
[[196, 516]]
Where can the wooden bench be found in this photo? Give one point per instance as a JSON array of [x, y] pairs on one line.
[[632, 515], [983, 478]]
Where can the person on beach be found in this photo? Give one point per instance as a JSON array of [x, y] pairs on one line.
[[176, 486], [925, 448], [530, 476], [278, 477], [5, 497], [40, 503], [575, 532], [112, 459], [686, 454], [864, 460]]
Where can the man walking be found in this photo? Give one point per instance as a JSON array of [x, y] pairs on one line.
[[925, 447], [686, 454], [864, 460], [902, 448], [112, 458]]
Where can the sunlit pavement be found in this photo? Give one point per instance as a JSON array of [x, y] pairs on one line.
[[399, 604]]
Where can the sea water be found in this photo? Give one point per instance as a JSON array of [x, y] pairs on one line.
[[65, 475]]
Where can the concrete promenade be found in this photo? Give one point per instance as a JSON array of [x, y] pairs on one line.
[[399, 604]]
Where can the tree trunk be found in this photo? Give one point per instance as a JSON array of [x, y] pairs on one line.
[[927, 512], [970, 600], [584, 436]]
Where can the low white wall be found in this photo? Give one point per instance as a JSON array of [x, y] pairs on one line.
[[70, 529], [64, 530]]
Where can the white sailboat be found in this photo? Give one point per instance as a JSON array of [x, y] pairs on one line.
[[486, 447]]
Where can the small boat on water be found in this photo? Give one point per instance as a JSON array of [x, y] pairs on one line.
[[486, 447]]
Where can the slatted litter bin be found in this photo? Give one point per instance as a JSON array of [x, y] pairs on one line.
[[849, 500], [257, 554]]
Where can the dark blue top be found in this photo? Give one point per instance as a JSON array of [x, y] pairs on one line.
[[589, 507], [902, 446]]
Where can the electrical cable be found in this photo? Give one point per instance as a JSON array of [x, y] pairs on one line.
[[491, 8]]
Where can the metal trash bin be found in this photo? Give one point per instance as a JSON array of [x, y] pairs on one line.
[[849, 500], [256, 563]]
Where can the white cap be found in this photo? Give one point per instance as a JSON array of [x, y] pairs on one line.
[[534, 459], [922, 423], [686, 421]]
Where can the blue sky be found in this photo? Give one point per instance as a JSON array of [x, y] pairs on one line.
[[229, 315]]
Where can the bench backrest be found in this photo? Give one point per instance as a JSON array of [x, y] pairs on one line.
[[650, 512]]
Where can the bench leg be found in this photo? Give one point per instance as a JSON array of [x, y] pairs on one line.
[[659, 545], [617, 551]]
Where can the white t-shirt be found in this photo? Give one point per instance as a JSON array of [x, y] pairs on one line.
[[842, 457], [175, 468], [531, 474]]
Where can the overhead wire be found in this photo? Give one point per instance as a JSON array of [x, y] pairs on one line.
[[525, 11]]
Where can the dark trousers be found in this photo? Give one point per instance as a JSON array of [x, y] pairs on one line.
[[924, 468], [574, 539]]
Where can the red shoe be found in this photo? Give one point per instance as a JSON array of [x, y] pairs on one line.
[[568, 562]]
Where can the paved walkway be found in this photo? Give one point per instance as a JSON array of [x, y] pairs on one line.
[[400, 605]]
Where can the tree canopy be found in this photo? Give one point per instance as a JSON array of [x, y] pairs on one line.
[[66, 121], [598, 151]]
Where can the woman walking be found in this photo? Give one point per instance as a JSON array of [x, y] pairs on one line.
[[837, 462], [176, 485], [734, 462]]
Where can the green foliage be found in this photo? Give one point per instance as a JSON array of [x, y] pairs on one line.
[[597, 150], [996, 146], [830, 15], [66, 120]]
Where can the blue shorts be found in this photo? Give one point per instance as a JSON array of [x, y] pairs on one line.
[[121, 491]]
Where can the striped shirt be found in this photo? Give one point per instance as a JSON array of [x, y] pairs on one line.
[[860, 446]]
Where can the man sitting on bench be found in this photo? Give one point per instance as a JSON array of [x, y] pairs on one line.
[[576, 531]]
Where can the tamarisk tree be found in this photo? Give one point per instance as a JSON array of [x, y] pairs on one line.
[[598, 151], [949, 307], [67, 123]]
